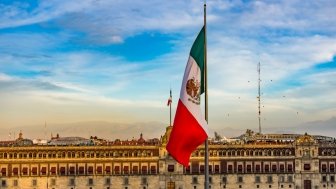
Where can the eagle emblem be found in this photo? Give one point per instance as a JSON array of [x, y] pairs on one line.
[[193, 90]]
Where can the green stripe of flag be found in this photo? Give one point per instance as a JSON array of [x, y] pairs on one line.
[[197, 52]]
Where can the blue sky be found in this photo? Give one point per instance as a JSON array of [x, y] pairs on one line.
[[114, 62]]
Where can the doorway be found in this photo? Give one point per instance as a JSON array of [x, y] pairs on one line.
[[170, 185], [307, 184]]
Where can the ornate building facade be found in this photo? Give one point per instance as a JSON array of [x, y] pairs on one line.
[[250, 161]]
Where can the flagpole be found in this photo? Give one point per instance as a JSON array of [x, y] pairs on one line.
[[259, 112], [170, 113], [206, 145]]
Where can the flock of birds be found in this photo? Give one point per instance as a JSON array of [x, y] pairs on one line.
[[283, 96]]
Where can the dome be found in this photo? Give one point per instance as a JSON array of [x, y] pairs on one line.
[[23, 142]]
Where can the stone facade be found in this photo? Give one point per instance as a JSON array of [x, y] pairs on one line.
[[252, 161]]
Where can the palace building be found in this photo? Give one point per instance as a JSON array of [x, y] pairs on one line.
[[248, 161]]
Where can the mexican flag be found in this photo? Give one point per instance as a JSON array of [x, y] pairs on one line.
[[190, 128]]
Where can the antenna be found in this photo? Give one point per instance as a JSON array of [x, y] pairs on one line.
[[259, 98]]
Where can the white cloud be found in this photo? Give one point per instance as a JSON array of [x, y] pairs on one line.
[[5, 77], [16, 14]]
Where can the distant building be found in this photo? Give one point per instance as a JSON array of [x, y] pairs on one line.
[[40, 142], [70, 141], [248, 161]]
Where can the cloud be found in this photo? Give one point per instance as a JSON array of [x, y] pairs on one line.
[[9, 85], [22, 13]]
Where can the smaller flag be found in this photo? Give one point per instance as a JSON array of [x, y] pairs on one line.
[[170, 99]]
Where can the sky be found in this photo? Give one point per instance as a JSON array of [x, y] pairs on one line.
[[105, 67]]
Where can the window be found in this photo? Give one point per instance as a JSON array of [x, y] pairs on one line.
[[25, 171], [240, 168], [324, 168], [144, 169], [108, 169], [116, 170], [194, 180], [240, 179], [43, 171], [195, 167], [71, 182], [324, 178], [53, 170], [144, 180], [99, 170], [290, 178], [249, 168], [171, 168], [230, 168], [107, 181], [3, 171], [15, 182], [210, 168], [153, 169], [90, 181], [257, 179], [257, 168], [135, 170], [62, 170], [72, 170], [202, 168], [210, 179], [332, 178], [34, 182], [3, 183], [282, 179], [126, 170], [34, 171], [306, 167], [216, 168], [187, 169], [126, 181], [15, 171], [290, 167], [81, 170], [269, 179], [282, 167], [224, 180]]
